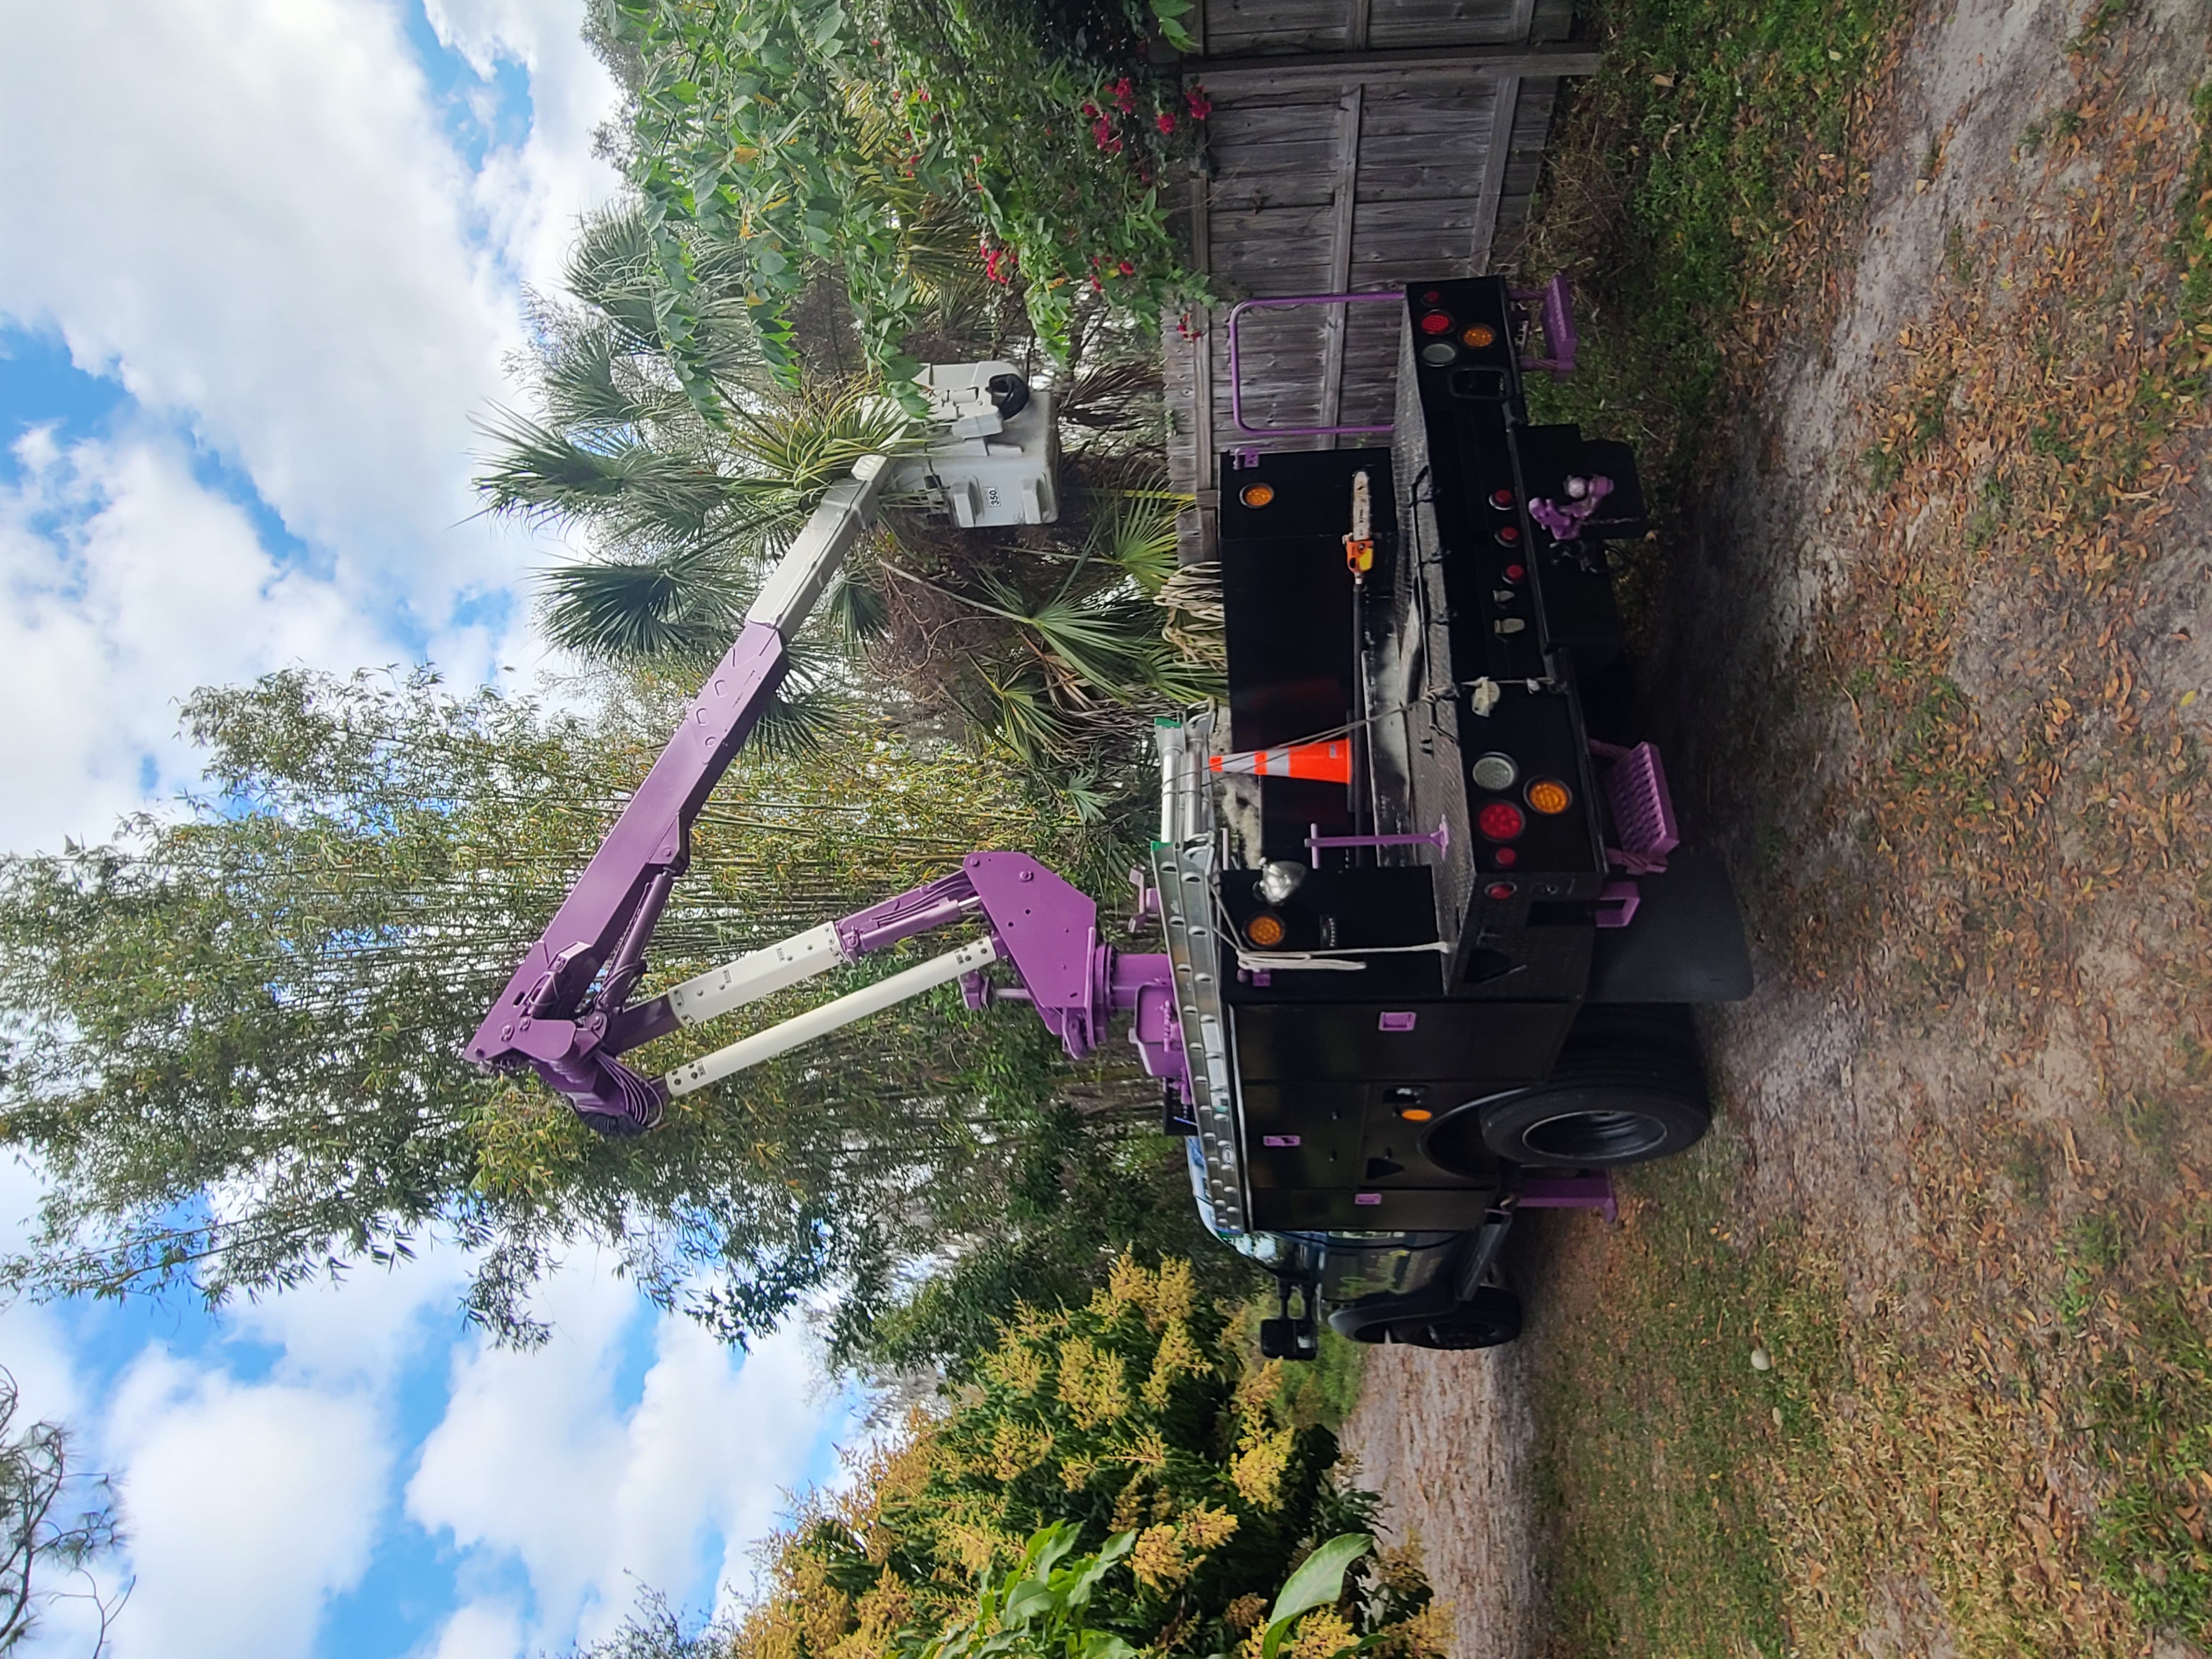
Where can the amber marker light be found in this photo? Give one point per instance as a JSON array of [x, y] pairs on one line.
[[1256, 495], [1265, 930], [1481, 335], [1417, 1114], [1550, 797]]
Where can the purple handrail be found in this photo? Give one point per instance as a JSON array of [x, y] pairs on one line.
[[1235, 386]]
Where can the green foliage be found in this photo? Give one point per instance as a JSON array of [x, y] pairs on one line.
[[232, 1038], [1037, 1607], [1322, 1390], [1126, 1426], [884, 138], [1040, 644]]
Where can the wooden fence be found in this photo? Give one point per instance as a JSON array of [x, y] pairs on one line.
[[1354, 145]]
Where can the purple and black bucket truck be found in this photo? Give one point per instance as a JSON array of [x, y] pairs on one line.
[[1429, 943]]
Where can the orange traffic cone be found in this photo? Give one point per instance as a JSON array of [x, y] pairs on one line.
[[1323, 762]]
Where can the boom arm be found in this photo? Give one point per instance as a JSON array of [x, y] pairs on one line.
[[546, 1017], [567, 1015]]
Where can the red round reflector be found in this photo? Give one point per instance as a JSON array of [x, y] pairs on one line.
[[1436, 322], [1501, 820], [1514, 573], [1509, 535], [1505, 858], [1502, 500], [1434, 296], [1501, 890]]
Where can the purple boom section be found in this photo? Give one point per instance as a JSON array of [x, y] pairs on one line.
[[536, 1019]]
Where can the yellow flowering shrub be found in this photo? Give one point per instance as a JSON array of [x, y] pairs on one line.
[[1132, 1414]]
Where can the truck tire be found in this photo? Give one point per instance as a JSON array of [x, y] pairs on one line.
[[1601, 1106], [1493, 1318]]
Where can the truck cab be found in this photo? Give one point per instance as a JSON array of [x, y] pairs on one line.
[[1436, 940]]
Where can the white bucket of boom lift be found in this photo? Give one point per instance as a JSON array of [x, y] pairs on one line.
[[993, 458]]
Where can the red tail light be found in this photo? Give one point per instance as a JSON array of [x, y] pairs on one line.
[[1436, 322], [1500, 820]]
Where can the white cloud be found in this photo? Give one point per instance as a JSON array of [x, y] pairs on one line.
[[536, 1461], [482, 1630], [126, 584], [532, 194], [264, 232], [270, 239], [365, 1328], [249, 1506]]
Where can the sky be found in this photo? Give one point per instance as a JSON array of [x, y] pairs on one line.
[[260, 262]]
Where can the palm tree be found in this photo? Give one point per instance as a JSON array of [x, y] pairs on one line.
[[1037, 642]]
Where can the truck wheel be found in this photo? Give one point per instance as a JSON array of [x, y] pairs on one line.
[[1613, 1105], [1491, 1318]]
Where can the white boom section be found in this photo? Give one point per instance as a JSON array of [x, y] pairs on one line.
[[757, 974], [820, 1022], [848, 508]]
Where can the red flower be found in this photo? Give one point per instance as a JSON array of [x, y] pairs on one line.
[[1164, 121], [1101, 133], [1200, 105], [1126, 269], [1089, 112], [1124, 96]]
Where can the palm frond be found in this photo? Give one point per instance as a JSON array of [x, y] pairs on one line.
[[1113, 395], [857, 608], [804, 442], [544, 475], [798, 720], [680, 608], [591, 387], [1025, 718], [1137, 535]]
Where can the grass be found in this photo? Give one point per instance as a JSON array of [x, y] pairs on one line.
[[2021, 1463], [1678, 188], [1660, 1443], [2150, 1402]]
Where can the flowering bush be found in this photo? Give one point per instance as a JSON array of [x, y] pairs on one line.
[[1131, 1420], [811, 131]]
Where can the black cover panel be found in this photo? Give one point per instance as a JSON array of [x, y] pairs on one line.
[[1501, 1041], [1289, 599], [1686, 944], [1436, 1208]]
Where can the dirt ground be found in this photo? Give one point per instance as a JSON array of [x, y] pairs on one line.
[[1933, 672]]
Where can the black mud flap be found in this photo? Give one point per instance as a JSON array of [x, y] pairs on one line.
[[1686, 944]]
